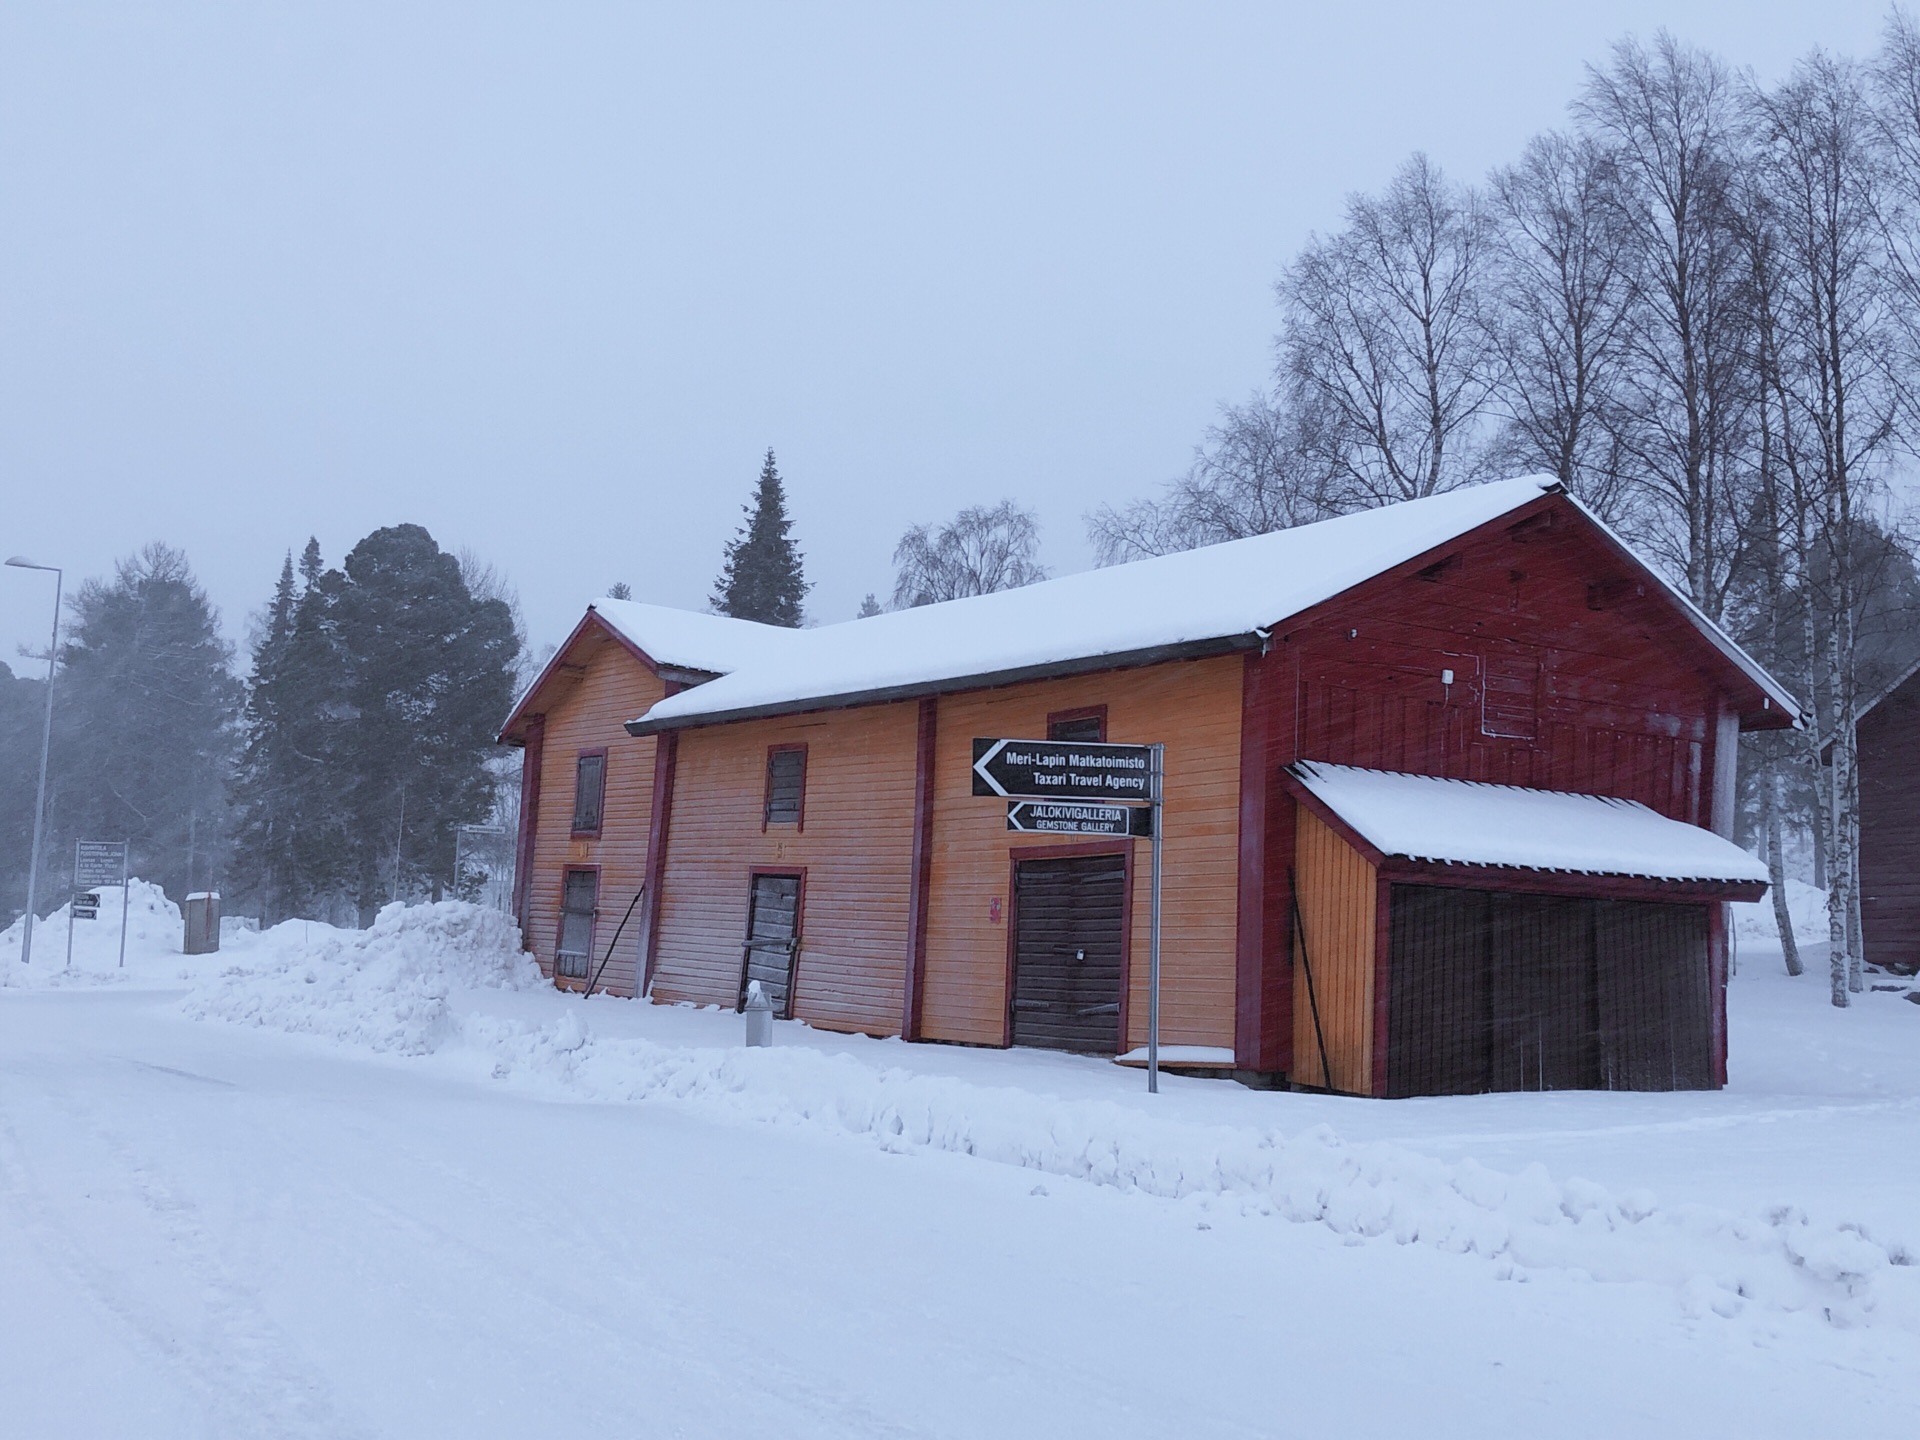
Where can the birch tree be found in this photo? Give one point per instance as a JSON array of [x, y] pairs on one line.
[[1836, 373], [1385, 340], [1666, 118]]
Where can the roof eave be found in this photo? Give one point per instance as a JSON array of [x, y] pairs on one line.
[[986, 680]]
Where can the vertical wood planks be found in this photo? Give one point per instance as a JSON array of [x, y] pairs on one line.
[[1338, 896]]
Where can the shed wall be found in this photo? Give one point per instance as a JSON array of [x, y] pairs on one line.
[[1890, 828], [1339, 901]]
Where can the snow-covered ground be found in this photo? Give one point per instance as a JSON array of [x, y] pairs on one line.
[[384, 1183]]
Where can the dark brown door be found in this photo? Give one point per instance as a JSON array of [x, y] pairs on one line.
[[579, 894], [773, 940], [1537, 992], [1068, 919]]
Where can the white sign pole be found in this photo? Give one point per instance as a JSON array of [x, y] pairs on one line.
[[73, 902], [126, 900], [1153, 930]]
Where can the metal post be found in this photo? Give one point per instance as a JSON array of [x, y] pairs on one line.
[[20, 562], [73, 897], [126, 899], [1153, 932]]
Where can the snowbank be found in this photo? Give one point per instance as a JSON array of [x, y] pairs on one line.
[[389, 990], [154, 934], [385, 988]]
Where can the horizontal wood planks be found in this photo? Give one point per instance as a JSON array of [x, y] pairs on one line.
[[1890, 828], [855, 847], [1194, 708], [612, 686], [1338, 896]]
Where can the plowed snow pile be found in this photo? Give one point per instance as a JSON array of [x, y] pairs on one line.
[[153, 944], [397, 988], [385, 988]]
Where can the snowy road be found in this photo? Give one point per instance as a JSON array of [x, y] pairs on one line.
[[211, 1232]]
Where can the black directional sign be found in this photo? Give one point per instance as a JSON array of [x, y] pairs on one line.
[[86, 907], [1052, 817], [1062, 770]]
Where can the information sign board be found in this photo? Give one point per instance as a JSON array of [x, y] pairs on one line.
[[99, 862], [1052, 817], [1062, 770]]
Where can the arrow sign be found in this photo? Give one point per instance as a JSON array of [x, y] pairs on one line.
[[1049, 817], [1062, 770]]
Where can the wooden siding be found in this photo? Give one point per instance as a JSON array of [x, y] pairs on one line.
[[602, 686], [856, 852], [1564, 678], [1890, 828], [1339, 894], [1194, 708]]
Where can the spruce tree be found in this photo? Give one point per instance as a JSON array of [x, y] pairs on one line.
[[761, 577], [266, 872], [146, 723]]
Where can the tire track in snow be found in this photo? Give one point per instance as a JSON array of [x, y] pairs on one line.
[[244, 1370]]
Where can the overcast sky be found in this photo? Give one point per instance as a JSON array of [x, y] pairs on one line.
[[548, 279]]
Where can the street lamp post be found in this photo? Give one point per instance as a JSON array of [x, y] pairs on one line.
[[20, 562]]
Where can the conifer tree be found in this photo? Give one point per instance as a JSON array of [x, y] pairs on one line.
[[150, 705], [266, 871], [868, 607], [761, 578]]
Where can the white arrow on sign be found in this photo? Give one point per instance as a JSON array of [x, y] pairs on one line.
[[986, 758]]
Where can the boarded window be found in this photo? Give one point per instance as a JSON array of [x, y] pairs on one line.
[[786, 784], [1510, 696], [578, 898], [589, 791], [1085, 727]]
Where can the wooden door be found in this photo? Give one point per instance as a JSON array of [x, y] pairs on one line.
[[1069, 929], [579, 896], [773, 940]]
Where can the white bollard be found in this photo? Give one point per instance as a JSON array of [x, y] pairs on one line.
[[759, 1013]]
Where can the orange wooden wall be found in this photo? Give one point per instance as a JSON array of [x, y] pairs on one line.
[[1192, 706], [1338, 896], [587, 709], [855, 845]]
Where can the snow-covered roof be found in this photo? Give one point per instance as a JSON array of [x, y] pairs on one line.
[[685, 640], [1227, 595], [1465, 822], [690, 640]]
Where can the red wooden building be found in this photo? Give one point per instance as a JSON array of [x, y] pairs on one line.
[[1889, 742], [587, 801], [1448, 785]]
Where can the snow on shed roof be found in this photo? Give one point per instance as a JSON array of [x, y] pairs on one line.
[[1466, 822], [1225, 595]]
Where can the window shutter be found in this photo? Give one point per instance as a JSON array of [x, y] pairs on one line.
[[589, 788], [786, 785]]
